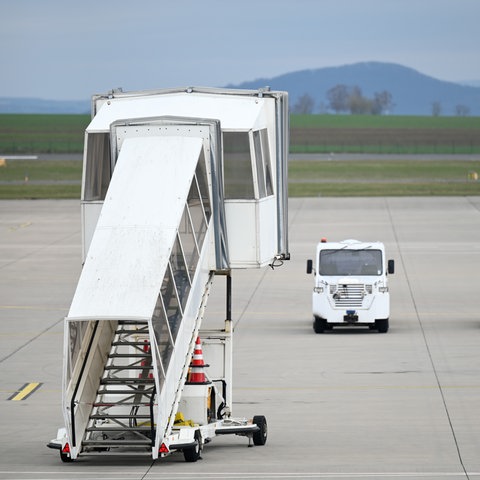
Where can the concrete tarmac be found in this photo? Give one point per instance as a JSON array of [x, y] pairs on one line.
[[346, 404]]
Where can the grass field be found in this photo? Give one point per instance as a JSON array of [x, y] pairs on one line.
[[383, 121], [384, 134], [34, 134], [401, 177], [371, 134], [383, 178]]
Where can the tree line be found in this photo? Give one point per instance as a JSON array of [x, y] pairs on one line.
[[345, 99]]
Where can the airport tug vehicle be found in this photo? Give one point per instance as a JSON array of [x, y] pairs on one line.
[[179, 186], [350, 285]]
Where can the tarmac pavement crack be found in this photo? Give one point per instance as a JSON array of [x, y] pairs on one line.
[[476, 207], [31, 340], [425, 340], [37, 250], [250, 299], [148, 470]]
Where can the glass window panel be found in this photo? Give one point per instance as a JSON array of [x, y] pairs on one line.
[[197, 215], [162, 333], [171, 303], [202, 179], [351, 262], [98, 166], [259, 164], [180, 274], [77, 331], [266, 161], [187, 239], [237, 165], [162, 366]]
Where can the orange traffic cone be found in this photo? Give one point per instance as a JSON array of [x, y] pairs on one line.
[[196, 373]]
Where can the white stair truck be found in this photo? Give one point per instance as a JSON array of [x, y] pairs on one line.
[[179, 186], [350, 285]]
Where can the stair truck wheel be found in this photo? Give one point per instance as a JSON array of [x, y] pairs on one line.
[[192, 454], [65, 457], [260, 437]]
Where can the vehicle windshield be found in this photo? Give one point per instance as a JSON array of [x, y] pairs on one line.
[[351, 262]]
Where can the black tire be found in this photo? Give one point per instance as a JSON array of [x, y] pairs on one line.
[[382, 325], [65, 457], [319, 325], [260, 437], [192, 454]]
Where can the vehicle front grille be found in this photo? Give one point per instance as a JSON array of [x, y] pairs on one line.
[[349, 296]]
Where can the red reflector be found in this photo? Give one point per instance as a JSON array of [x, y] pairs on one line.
[[163, 449], [66, 448]]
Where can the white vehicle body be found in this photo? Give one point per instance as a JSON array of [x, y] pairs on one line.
[[351, 285]]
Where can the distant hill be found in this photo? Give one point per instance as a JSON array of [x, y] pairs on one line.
[[413, 93], [38, 105]]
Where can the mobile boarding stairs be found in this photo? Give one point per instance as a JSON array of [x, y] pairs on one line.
[[178, 186]]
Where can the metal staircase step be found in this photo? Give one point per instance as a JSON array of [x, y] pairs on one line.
[[116, 443], [133, 322], [118, 429], [126, 381], [118, 343], [128, 367], [123, 404], [128, 331], [135, 391], [145, 355], [99, 416]]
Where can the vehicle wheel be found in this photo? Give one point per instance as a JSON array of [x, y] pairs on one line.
[[319, 325], [260, 437], [65, 457], [192, 454], [382, 325]]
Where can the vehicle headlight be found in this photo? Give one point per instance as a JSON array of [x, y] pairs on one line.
[[368, 288]]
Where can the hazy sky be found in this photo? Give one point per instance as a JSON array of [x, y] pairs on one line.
[[70, 49]]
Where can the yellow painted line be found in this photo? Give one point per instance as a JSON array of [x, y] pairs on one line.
[[25, 391]]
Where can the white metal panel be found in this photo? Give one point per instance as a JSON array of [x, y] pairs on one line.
[[90, 213], [234, 112], [241, 232], [131, 245], [251, 227], [267, 227]]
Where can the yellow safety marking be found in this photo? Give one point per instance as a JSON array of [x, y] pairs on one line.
[[22, 225], [25, 391]]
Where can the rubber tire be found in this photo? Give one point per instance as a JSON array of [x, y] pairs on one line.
[[319, 325], [260, 437], [192, 454], [65, 458], [382, 325]]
